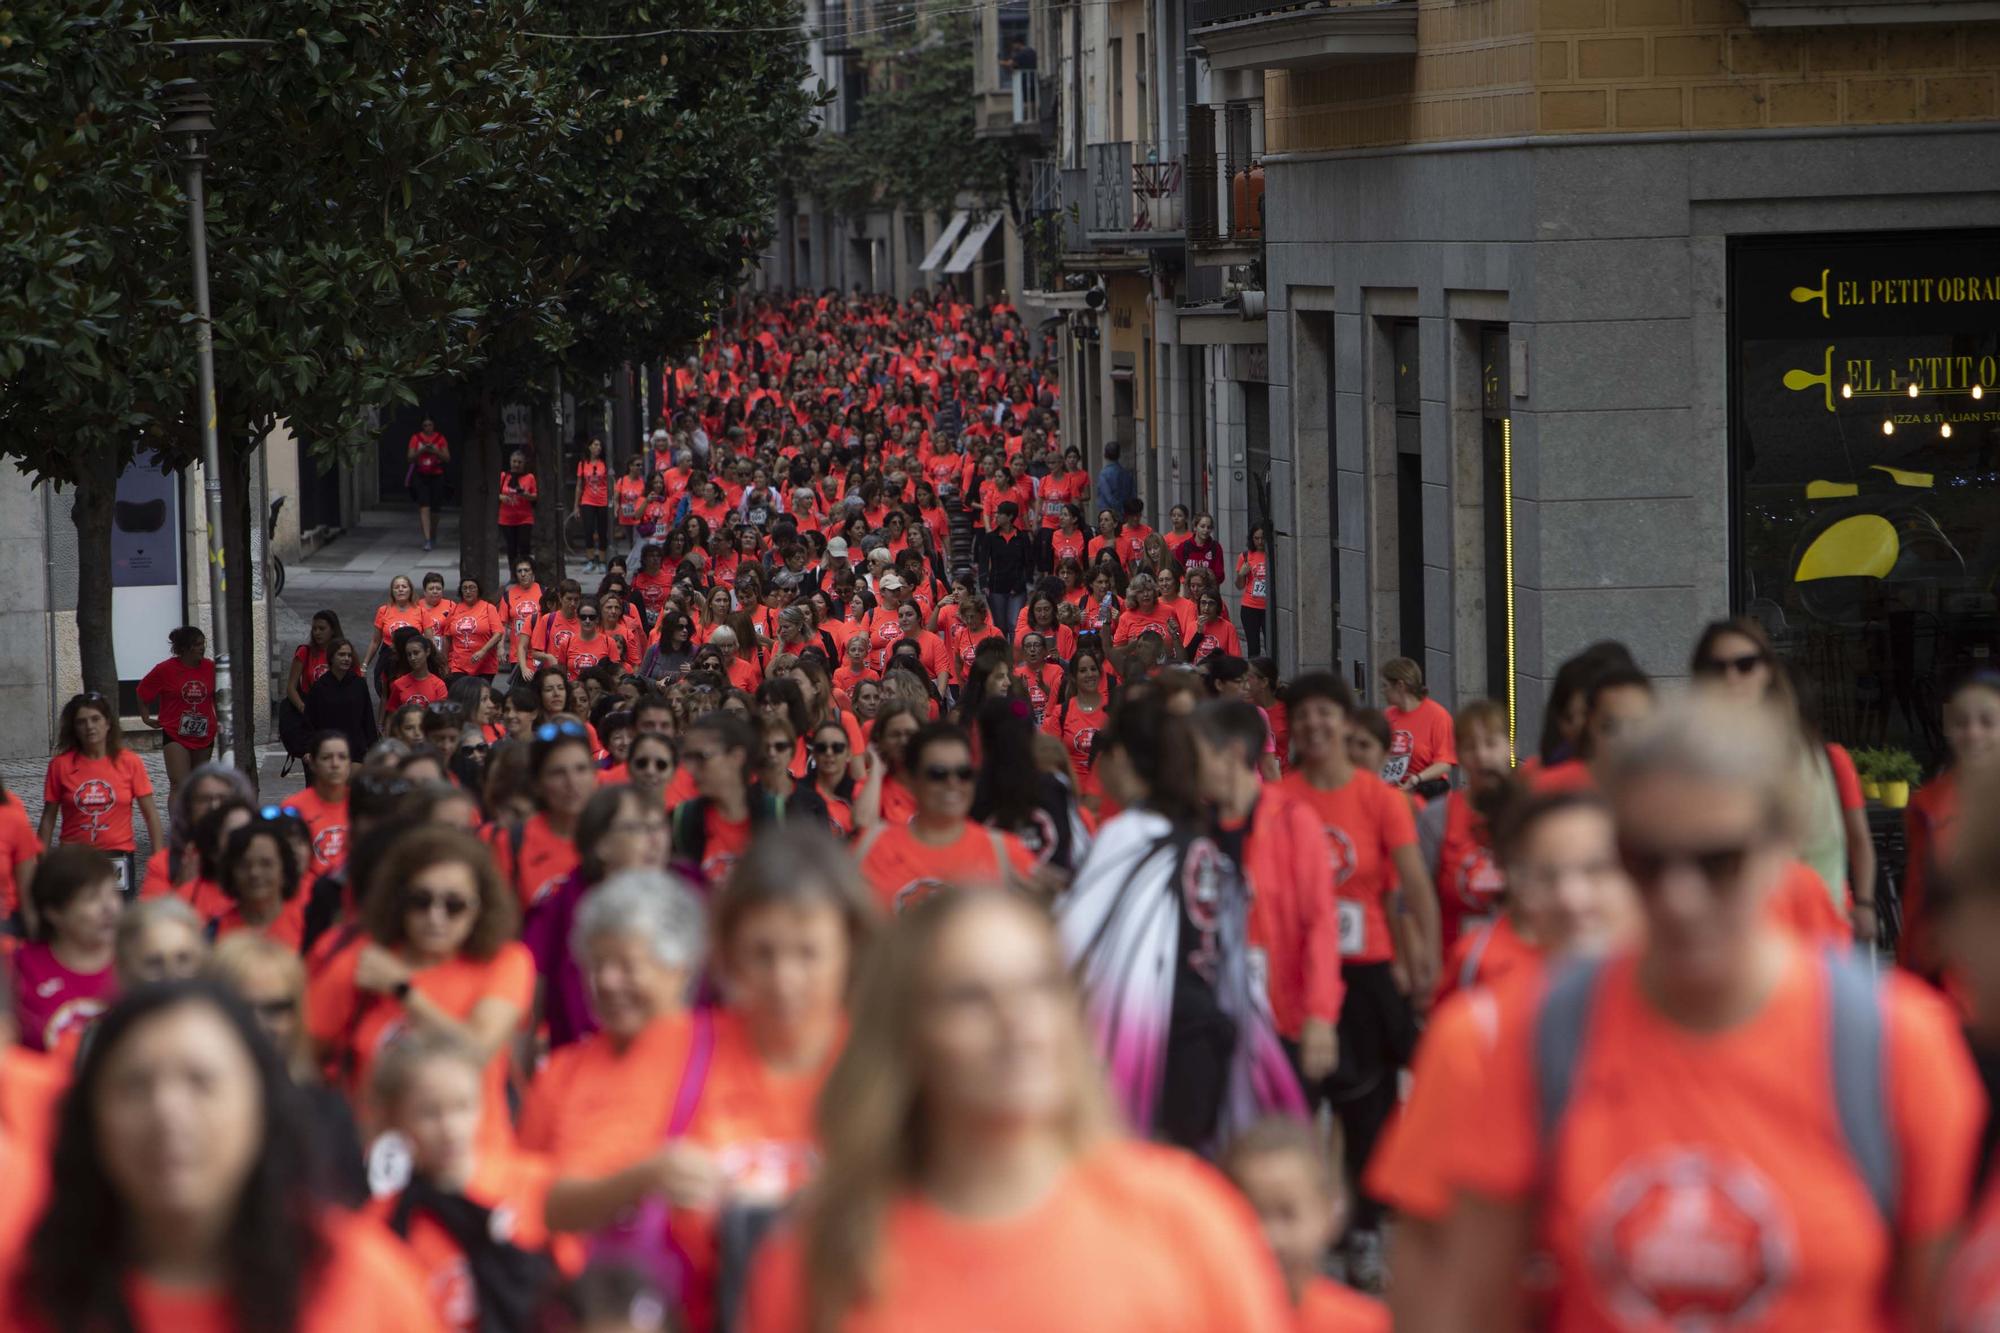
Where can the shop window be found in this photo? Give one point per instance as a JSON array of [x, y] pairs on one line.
[[1865, 445]]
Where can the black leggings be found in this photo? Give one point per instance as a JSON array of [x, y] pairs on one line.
[[1253, 631], [596, 525], [520, 539], [1378, 1035]]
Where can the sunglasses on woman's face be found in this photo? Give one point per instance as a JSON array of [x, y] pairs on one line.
[[829, 747], [651, 765], [1741, 665], [941, 773], [422, 901]]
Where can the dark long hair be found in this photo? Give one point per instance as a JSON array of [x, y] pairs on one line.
[[82, 1246], [1010, 781], [1160, 748]]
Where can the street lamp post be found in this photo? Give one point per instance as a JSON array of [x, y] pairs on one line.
[[189, 124]]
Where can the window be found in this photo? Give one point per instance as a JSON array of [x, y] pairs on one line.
[[1865, 446]]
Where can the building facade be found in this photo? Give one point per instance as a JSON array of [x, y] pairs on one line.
[[1527, 323]]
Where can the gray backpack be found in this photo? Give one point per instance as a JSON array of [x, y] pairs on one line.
[[1855, 1031]]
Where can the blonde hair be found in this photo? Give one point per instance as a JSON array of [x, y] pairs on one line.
[[236, 956], [396, 1068], [870, 1114]]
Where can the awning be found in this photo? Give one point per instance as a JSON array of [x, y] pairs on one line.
[[938, 251], [975, 240]]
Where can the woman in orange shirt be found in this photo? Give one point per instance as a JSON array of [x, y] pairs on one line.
[[439, 954], [1931, 823], [973, 1175], [1723, 1128], [260, 874], [534, 857], [593, 502], [1970, 938], [791, 917], [476, 631], [184, 1140]]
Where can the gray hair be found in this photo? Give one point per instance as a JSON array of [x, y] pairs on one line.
[[181, 826], [143, 915], [1715, 741], [650, 903]]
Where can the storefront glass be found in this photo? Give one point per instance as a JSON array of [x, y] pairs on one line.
[[1865, 439]]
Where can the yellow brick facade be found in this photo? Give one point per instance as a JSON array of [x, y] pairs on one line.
[[1495, 68]]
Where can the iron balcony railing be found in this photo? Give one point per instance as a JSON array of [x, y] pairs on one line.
[[1135, 190]]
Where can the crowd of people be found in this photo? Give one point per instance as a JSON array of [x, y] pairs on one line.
[[890, 899]]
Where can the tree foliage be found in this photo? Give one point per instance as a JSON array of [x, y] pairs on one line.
[[913, 144]]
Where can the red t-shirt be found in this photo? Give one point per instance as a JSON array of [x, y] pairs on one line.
[[547, 857], [631, 500], [389, 618], [1257, 589], [517, 499], [410, 686], [185, 697], [592, 484], [1469, 882], [1077, 727], [96, 797], [1366, 821], [326, 821], [18, 842], [429, 464], [469, 628], [1417, 739]]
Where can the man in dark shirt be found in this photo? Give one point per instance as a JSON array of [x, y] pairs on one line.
[[1006, 555], [1115, 484]]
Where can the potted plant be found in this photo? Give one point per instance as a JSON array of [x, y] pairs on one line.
[[1898, 771], [1868, 766]]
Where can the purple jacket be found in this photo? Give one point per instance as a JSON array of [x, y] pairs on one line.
[[565, 998]]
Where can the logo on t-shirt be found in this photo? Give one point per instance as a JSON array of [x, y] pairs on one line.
[[1475, 880], [330, 844], [924, 886], [193, 693], [1681, 1240], [95, 797], [1202, 871], [1401, 743], [1082, 743], [1340, 851], [70, 1014]]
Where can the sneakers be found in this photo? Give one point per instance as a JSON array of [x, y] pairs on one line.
[[428, 544]]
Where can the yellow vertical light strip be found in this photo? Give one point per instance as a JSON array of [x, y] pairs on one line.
[[1507, 534]]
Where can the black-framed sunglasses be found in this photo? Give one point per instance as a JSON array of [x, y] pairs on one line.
[[1740, 665], [1719, 866], [651, 765], [952, 773], [423, 900], [829, 747]]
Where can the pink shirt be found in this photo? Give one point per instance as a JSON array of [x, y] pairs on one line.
[[52, 1003]]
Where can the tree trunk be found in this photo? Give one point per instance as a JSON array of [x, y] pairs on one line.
[[552, 505], [478, 484], [95, 496], [624, 416], [243, 587]]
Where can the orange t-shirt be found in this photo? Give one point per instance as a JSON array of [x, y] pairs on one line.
[[350, 1022], [19, 842], [96, 796], [758, 1125], [426, 688], [1411, 1170], [1366, 821], [1802, 905], [326, 821], [1077, 728], [1132, 1236], [1327, 1307], [287, 928], [595, 1109], [547, 857], [470, 628], [367, 1282], [1418, 739], [1704, 1175], [31, 1085], [515, 1185], [904, 870], [389, 618], [1969, 1299], [1483, 955]]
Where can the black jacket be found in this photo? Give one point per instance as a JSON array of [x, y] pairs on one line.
[[345, 706], [1004, 563]]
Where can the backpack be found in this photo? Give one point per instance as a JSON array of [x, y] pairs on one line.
[[511, 1282], [1855, 1036]]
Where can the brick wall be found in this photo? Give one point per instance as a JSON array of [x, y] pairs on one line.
[[1473, 78], [1490, 68]]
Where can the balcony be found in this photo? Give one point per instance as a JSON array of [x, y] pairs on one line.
[[1844, 13], [1225, 184], [1017, 105], [1261, 34], [1135, 193]]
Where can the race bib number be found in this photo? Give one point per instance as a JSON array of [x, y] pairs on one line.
[[1394, 768], [194, 724], [1353, 928], [1258, 583]]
